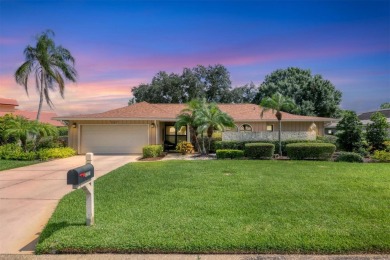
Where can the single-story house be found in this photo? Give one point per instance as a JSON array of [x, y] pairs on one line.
[[8, 106], [128, 129], [364, 117]]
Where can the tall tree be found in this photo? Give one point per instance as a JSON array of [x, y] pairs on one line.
[[51, 65], [312, 95], [385, 105], [349, 132], [277, 103], [376, 132], [212, 83]]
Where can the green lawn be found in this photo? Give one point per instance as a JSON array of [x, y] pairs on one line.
[[10, 164], [229, 207]]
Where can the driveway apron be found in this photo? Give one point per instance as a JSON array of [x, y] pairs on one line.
[[29, 195]]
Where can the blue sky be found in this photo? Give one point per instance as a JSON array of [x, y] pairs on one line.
[[119, 44]]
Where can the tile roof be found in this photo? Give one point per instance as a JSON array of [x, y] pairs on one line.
[[367, 115], [46, 117], [8, 101], [147, 111]]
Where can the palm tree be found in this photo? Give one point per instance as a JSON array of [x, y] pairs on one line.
[[51, 66], [21, 129], [44, 130], [187, 117], [211, 118], [277, 103]]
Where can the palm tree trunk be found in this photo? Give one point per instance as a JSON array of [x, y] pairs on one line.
[[41, 96], [280, 139]]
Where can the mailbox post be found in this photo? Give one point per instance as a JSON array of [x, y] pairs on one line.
[[83, 177]]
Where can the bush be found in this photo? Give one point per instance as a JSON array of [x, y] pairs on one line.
[[152, 151], [229, 145], [63, 131], [327, 139], [185, 147], [49, 142], [15, 152], [349, 157], [51, 153], [381, 156], [259, 150], [229, 154], [316, 151]]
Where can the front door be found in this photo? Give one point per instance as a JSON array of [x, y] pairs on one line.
[[173, 136]]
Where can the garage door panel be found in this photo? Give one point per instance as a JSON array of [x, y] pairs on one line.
[[113, 139]]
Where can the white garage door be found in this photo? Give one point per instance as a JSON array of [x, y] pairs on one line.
[[113, 139]]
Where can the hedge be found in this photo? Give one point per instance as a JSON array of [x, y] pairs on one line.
[[240, 145], [381, 156], [15, 152], [259, 150], [316, 151], [349, 157], [152, 151], [229, 154]]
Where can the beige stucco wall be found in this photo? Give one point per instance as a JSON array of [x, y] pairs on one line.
[[74, 132]]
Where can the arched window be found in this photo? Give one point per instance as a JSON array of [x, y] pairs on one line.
[[246, 128], [231, 129]]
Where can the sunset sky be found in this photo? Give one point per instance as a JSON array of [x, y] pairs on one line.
[[119, 44]]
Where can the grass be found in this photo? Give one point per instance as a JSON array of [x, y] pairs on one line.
[[229, 207], [10, 164]]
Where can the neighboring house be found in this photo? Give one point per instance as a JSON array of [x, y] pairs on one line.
[[330, 129], [128, 129], [8, 106]]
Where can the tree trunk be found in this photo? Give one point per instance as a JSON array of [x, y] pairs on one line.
[[280, 138], [210, 131], [40, 96]]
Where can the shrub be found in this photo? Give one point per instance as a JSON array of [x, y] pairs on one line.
[[259, 150], [15, 152], [63, 131], [229, 154], [316, 151], [327, 139], [381, 156], [152, 151], [49, 142], [349, 157], [185, 147], [376, 132], [229, 145], [51, 153]]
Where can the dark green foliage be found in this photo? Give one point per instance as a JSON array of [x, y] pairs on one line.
[[377, 131], [152, 151], [315, 151], [229, 154], [259, 150], [313, 95], [349, 157], [349, 132], [240, 145], [229, 206], [212, 83], [327, 139], [385, 105], [63, 131]]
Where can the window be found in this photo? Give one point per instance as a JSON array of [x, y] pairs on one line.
[[270, 128], [245, 128]]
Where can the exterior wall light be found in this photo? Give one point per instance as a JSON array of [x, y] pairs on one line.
[[152, 125], [74, 125]]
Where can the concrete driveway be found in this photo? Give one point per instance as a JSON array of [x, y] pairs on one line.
[[29, 195]]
